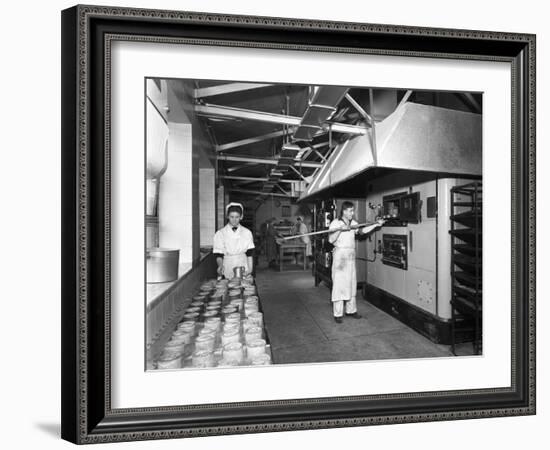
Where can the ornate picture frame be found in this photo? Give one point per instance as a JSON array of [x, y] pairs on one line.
[[87, 35]]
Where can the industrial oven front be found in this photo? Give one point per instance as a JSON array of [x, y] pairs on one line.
[[409, 259]]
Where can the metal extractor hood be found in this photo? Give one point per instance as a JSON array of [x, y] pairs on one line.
[[413, 137]]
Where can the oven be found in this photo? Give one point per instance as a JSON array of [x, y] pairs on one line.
[[394, 250]]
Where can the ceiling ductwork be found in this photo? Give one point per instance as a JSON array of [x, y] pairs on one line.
[[323, 105], [297, 132], [321, 108], [315, 137]]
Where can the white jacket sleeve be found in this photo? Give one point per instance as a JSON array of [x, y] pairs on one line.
[[219, 245], [250, 244], [334, 225], [368, 229]]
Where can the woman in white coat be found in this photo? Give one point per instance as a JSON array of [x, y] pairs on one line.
[[301, 228], [234, 244], [344, 274]]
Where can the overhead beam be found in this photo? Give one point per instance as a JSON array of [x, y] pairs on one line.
[[331, 148], [263, 179], [373, 129], [404, 99], [234, 177], [320, 145], [241, 166], [253, 140], [473, 102], [320, 155], [283, 191], [299, 174], [245, 183], [227, 88], [239, 113], [272, 161], [306, 154], [247, 191], [329, 153], [359, 109], [316, 146], [315, 173], [306, 151]]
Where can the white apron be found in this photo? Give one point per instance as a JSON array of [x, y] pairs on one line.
[[231, 261], [344, 272]]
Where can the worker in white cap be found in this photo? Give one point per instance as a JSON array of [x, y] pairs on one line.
[[344, 274], [234, 244]]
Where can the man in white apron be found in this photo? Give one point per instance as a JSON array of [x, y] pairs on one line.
[[234, 244], [344, 274]]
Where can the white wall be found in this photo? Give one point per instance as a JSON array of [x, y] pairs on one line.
[[175, 193], [186, 201], [30, 387], [207, 206]]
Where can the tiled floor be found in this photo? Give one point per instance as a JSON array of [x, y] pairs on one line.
[[298, 319]]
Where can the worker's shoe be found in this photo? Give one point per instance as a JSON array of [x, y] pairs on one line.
[[355, 315], [338, 319]]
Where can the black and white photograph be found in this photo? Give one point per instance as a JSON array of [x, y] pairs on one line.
[[300, 224], [275, 221]]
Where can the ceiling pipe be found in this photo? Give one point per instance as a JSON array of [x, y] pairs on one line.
[[320, 155], [282, 190], [473, 103], [226, 88], [239, 113], [253, 140], [299, 174], [404, 99], [232, 177], [373, 129], [247, 191], [241, 166], [272, 161], [359, 109]]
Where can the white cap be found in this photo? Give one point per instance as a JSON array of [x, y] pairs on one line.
[[235, 204]]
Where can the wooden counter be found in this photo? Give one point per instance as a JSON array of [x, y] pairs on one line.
[[291, 246]]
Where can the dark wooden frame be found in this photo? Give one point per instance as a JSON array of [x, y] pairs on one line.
[[87, 31]]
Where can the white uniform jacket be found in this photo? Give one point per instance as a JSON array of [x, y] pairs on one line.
[[233, 245]]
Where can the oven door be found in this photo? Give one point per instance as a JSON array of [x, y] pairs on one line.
[[394, 250]]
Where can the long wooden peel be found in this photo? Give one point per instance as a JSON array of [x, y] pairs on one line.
[[313, 233]]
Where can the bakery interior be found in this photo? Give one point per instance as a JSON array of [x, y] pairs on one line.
[[291, 154]]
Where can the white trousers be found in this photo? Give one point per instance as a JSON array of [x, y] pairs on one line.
[[338, 307]]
